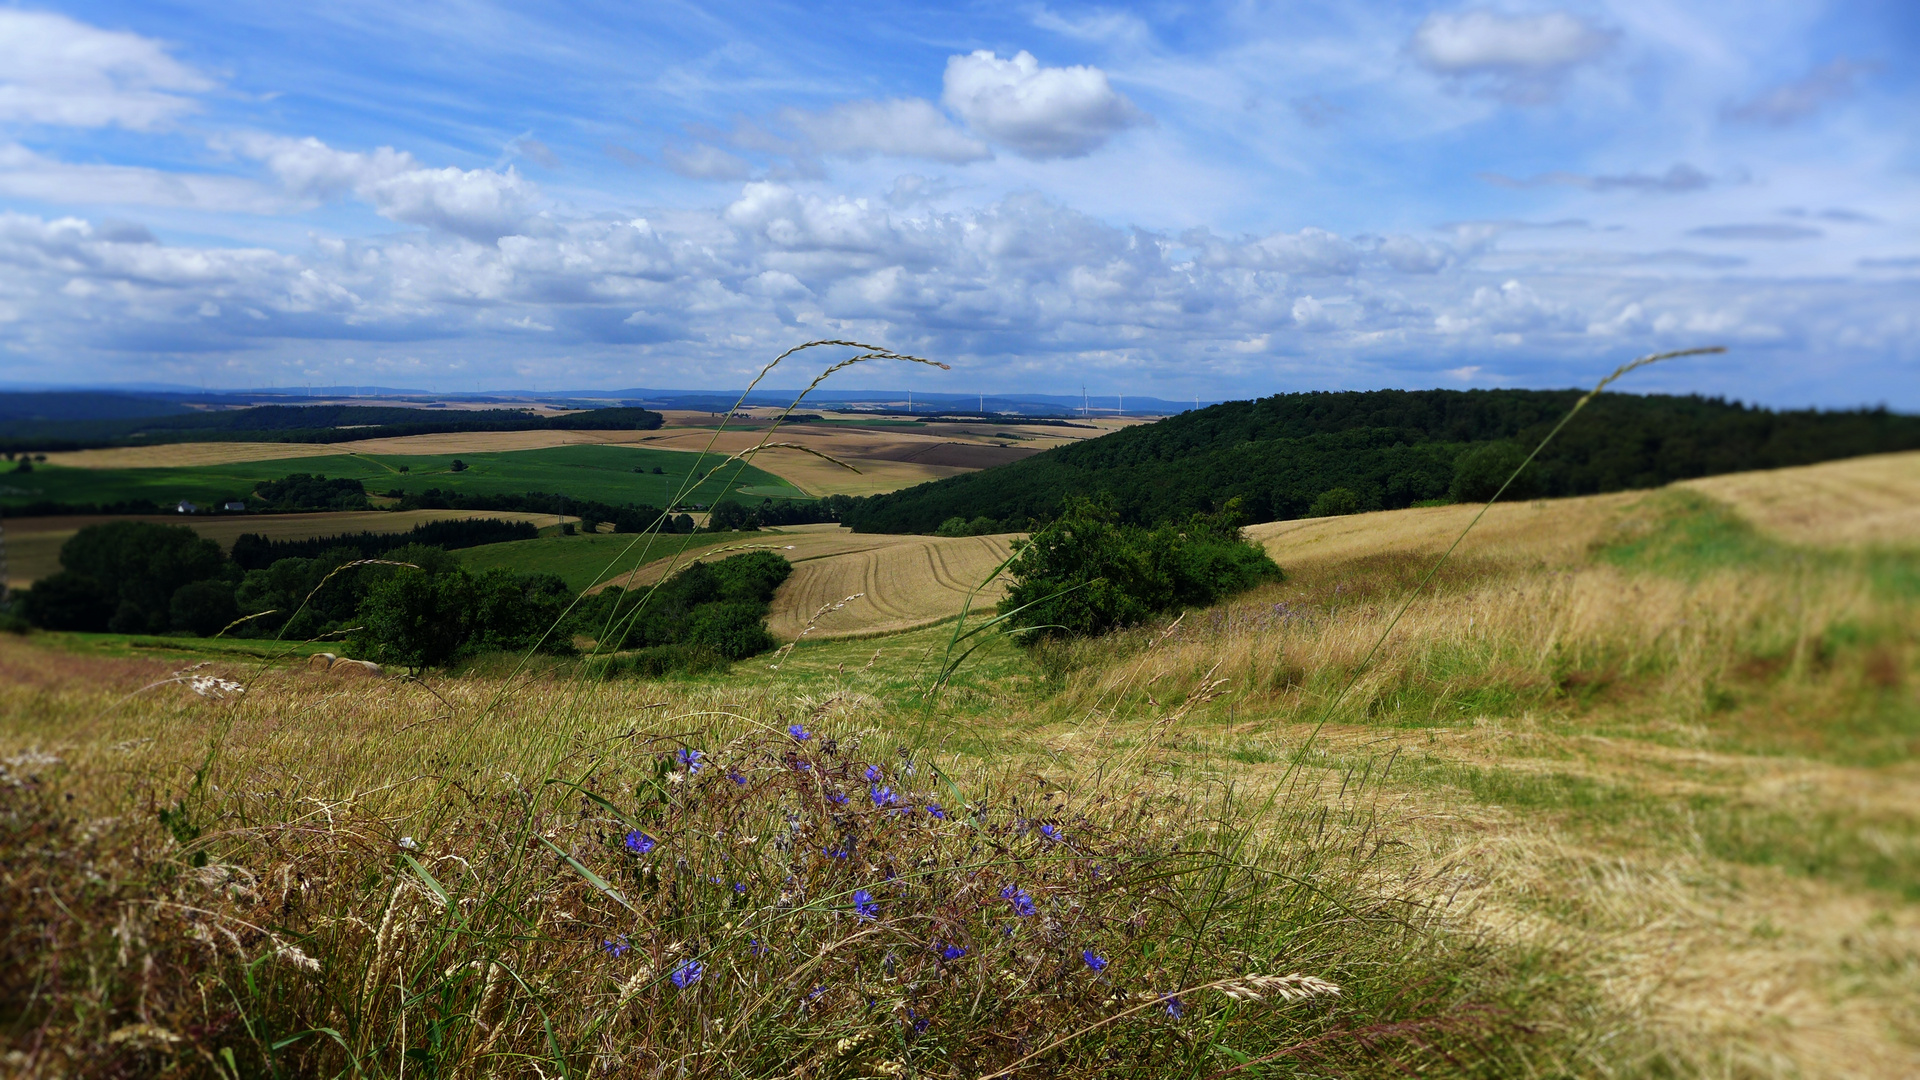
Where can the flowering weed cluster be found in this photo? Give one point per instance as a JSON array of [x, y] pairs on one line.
[[721, 910]]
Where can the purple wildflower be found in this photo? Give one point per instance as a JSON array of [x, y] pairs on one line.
[[735, 776], [688, 973], [740, 887], [1051, 833], [617, 947], [864, 904], [952, 953], [934, 809], [1093, 959], [1022, 903], [836, 798], [754, 948], [640, 843], [834, 853], [882, 796], [1174, 1008], [874, 774], [690, 758], [799, 733]]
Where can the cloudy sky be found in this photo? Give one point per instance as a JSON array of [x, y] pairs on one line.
[[1165, 199]]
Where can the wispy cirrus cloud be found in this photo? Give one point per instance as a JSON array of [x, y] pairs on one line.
[[1521, 58], [59, 71], [1679, 177], [1796, 100]]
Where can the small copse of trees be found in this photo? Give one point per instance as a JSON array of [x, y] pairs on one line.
[[1087, 573]]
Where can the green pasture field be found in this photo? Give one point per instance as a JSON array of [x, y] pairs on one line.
[[603, 473], [581, 561]]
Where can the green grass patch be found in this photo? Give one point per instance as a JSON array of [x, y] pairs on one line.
[[612, 474], [584, 560]]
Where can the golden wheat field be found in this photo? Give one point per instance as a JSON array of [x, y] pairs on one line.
[[861, 584], [1861, 501], [888, 458], [33, 544]]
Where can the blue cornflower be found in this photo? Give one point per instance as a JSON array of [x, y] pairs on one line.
[[688, 973], [1051, 833], [735, 776], [1174, 1008], [874, 773], [934, 809], [952, 952], [799, 733], [864, 904], [1093, 959], [639, 843], [617, 947], [836, 798], [690, 758], [882, 796]]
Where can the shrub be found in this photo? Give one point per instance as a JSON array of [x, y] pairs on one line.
[[68, 601], [305, 491], [1479, 472], [1334, 502], [1085, 573], [134, 569], [203, 608]]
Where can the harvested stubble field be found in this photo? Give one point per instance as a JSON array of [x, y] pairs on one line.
[[1635, 797], [33, 543], [858, 584], [888, 458]]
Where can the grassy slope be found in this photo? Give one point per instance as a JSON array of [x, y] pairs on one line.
[[1671, 765], [582, 561], [603, 473]]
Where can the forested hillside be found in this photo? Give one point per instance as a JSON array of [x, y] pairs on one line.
[[1389, 449]]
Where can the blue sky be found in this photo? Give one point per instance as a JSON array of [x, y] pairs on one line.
[[1168, 200]]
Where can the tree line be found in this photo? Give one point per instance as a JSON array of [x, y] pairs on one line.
[[415, 607], [1384, 449]]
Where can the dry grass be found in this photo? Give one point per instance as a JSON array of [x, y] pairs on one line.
[[1859, 502], [33, 544], [911, 582], [903, 581]]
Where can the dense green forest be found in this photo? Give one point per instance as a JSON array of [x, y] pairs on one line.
[[1386, 449], [303, 424]]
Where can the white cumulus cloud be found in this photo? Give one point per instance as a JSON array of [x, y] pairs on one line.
[[54, 70], [1037, 112], [479, 204]]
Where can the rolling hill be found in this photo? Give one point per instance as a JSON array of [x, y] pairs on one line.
[[1391, 449]]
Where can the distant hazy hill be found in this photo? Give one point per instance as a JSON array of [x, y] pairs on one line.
[[26, 429], [1391, 448]]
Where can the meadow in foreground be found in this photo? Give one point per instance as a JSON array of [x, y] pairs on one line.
[[1641, 807]]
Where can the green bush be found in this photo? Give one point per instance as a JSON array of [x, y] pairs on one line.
[[203, 608], [122, 576], [68, 601], [1479, 472], [435, 616], [715, 607], [1334, 502], [1085, 573]]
